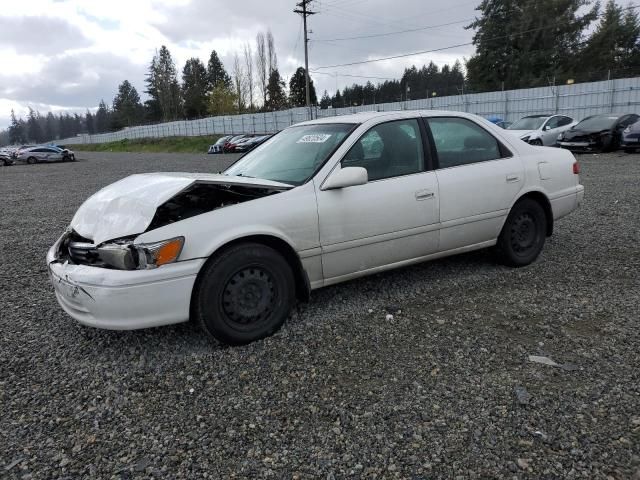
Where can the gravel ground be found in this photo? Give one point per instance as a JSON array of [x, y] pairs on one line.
[[444, 389]]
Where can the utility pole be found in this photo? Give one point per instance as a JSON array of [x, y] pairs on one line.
[[302, 10]]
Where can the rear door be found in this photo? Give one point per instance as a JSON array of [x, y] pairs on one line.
[[478, 180]]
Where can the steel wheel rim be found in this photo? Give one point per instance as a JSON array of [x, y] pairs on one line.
[[249, 297], [524, 234]]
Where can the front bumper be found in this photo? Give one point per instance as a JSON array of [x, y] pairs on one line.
[[579, 146], [123, 299]]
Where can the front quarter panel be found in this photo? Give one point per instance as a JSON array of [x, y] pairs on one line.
[[290, 216]]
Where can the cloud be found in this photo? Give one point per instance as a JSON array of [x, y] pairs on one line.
[[40, 35], [79, 80]]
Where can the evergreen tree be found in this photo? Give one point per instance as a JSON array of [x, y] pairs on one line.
[[89, 122], [276, 96], [520, 43], [194, 88], [325, 101], [51, 127], [16, 130], [614, 43], [34, 132], [102, 120], [127, 109], [216, 72], [162, 86], [297, 89]]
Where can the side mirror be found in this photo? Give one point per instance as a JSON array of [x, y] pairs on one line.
[[546, 127], [346, 177]]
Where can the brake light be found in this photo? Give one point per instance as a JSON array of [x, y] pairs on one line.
[[576, 168]]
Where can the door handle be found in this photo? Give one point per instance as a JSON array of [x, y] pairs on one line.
[[513, 178], [424, 195]]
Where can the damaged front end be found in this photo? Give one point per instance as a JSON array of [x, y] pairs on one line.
[[103, 231], [120, 254]]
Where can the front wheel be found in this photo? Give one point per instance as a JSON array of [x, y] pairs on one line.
[[523, 234], [244, 294], [536, 143]]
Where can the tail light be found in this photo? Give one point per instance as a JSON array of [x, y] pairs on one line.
[[576, 168]]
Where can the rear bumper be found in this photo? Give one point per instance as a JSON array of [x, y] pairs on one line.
[[124, 300]]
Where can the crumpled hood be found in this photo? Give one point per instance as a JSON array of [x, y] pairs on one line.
[[128, 206]]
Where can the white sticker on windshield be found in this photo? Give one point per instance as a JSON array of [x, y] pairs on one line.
[[315, 138]]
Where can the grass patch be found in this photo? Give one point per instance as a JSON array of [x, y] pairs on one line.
[[152, 145]]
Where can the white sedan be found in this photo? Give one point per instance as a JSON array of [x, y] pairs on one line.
[[45, 154], [541, 130], [319, 203]]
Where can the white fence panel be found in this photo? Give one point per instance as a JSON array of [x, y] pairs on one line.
[[577, 101]]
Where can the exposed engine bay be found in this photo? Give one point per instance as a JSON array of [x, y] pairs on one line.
[[122, 254], [204, 197]]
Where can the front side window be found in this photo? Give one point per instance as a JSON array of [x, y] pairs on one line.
[[459, 141], [388, 150], [294, 155], [554, 122]]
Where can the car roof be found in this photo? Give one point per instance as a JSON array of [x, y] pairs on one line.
[[364, 117]]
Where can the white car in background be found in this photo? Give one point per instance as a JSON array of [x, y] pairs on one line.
[[541, 130], [42, 154], [319, 203]]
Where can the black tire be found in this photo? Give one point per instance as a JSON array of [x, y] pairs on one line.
[[32, 160], [523, 234], [536, 143], [244, 294]]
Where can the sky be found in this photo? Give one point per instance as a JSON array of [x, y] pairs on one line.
[[67, 55]]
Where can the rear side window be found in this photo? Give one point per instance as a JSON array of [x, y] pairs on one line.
[[459, 141], [564, 121]]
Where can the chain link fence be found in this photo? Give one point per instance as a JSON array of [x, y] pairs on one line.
[[577, 101]]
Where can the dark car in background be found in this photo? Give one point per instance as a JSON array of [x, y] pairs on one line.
[[218, 146], [631, 138], [597, 133], [251, 143], [232, 143]]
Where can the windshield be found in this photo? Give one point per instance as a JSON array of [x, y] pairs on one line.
[[293, 155], [528, 123], [597, 122]]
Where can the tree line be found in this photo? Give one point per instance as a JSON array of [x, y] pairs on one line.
[[254, 84], [519, 44]]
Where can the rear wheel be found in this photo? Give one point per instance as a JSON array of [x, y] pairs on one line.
[[244, 294], [32, 160], [523, 234]]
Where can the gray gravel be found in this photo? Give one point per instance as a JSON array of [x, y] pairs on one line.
[[443, 389]]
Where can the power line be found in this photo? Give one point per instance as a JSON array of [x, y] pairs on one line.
[[392, 33], [422, 52]]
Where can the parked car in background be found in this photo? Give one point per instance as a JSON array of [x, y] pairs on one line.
[[230, 146], [322, 202], [18, 150], [217, 147], [597, 133], [251, 143], [6, 159], [541, 130], [45, 154], [631, 138]]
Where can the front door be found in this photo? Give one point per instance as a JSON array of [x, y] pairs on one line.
[[390, 219]]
